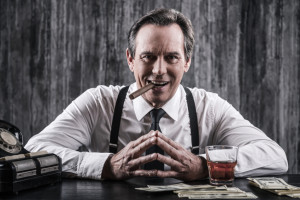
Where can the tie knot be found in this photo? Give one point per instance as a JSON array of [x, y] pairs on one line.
[[156, 115]]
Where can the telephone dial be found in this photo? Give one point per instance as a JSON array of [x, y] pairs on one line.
[[10, 140], [21, 169]]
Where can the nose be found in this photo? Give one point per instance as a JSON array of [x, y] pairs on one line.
[[159, 67]]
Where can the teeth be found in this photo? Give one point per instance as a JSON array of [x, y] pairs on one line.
[[159, 83]]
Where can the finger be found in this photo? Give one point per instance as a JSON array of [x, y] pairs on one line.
[[168, 174], [169, 149], [143, 138], [142, 160], [133, 144], [141, 148], [174, 164], [142, 172], [180, 154], [169, 141]]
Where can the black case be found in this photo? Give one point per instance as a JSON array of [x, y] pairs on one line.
[[29, 172]]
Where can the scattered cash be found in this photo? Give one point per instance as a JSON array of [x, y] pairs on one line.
[[201, 191], [245, 195], [276, 185], [178, 186], [269, 183], [223, 190], [216, 193]]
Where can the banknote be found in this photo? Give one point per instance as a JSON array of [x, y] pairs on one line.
[[294, 195], [179, 186], [201, 191], [276, 185], [269, 183], [216, 193], [186, 193], [246, 195], [293, 190], [215, 188]]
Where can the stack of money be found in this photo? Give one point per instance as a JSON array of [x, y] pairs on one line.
[[201, 191], [173, 187], [276, 185]]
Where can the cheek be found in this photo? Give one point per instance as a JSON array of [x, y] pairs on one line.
[[176, 73], [141, 71]]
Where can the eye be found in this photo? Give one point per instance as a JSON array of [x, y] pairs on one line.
[[147, 58], [172, 59]]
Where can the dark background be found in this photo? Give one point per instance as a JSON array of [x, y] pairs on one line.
[[247, 51]]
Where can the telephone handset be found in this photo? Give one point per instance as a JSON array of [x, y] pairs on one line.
[[11, 140]]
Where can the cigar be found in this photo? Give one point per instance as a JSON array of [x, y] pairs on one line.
[[141, 91]]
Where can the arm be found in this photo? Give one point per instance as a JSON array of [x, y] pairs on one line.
[[127, 162], [258, 154], [69, 131]]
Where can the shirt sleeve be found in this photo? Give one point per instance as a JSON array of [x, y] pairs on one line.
[[258, 154], [68, 132]]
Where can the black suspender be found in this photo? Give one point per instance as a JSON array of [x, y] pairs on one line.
[[193, 121], [113, 144], [114, 133]]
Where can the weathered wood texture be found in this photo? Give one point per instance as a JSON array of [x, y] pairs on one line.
[[246, 50]]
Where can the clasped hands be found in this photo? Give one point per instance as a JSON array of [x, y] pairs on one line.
[[128, 162]]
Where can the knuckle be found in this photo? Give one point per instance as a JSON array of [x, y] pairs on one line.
[[155, 156], [182, 170], [130, 144], [169, 140]]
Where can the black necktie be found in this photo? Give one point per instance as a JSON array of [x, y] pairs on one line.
[[156, 115]]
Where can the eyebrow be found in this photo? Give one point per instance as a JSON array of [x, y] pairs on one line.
[[173, 53], [167, 53], [146, 52]]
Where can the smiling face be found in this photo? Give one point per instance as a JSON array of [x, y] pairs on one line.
[[159, 58]]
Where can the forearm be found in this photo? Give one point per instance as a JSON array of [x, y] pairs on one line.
[[80, 164], [261, 158], [258, 154]]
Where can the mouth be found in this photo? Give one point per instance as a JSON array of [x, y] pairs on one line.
[[158, 83]]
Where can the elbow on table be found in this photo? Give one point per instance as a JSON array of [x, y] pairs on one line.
[[285, 166]]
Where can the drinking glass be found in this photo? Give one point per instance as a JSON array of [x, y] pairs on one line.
[[221, 160]]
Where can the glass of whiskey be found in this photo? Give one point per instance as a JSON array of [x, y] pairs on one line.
[[221, 160]]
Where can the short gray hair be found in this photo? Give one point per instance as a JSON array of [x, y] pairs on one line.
[[164, 17]]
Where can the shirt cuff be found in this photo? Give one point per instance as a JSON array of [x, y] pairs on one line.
[[90, 165]]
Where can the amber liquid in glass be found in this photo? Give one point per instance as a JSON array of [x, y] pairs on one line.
[[221, 173]]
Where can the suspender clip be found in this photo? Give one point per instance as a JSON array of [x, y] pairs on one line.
[[113, 145], [195, 147]]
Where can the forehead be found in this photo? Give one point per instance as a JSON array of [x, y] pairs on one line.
[[156, 38]]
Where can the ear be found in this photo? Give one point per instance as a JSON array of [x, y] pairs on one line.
[[130, 60], [187, 65]]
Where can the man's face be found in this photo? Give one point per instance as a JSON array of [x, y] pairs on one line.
[[159, 58]]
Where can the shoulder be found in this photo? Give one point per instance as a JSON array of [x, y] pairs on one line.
[[103, 92], [201, 95], [103, 96]]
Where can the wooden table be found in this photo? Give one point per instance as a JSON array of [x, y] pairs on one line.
[[112, 190]]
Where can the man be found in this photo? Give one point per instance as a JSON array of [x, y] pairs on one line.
[[159, 53]]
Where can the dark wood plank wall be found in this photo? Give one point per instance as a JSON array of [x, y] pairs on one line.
[[246, 50]]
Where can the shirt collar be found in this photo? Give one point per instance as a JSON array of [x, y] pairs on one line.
[[142, 108]]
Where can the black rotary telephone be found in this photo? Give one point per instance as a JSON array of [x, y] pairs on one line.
[[11, 140], [21, 169]]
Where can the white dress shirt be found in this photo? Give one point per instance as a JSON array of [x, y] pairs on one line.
[[87, 122]]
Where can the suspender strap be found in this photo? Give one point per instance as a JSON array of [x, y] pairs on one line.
[[113, 144], [193, 121]]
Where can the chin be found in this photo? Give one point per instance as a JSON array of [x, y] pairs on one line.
[[157, 101]]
